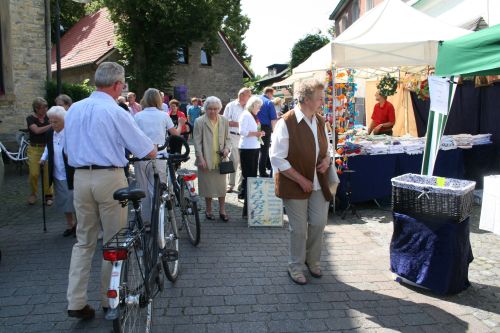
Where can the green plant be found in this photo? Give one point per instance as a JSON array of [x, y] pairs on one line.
[[387, 86], [76, 91]]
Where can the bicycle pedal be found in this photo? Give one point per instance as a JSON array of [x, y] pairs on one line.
[[170, 255]]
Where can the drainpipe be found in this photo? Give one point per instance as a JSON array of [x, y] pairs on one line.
[[48, 43]]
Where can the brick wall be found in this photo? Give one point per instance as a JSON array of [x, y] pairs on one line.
[[24, 61]]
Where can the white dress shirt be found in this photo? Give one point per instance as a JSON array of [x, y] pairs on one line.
[[59, 168], [278, 151], [232, 112], [247, 125], [97, 131], [154, 123]]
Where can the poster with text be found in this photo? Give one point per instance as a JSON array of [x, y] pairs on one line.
[[265, 209]]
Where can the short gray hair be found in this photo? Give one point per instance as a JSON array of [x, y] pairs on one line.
[[64, 100], [244, 90], [57, 111], [108, 73], [308, 88], [212, 100], [252, 102]]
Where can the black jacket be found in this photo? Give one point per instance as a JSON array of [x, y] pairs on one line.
[[70, 171]]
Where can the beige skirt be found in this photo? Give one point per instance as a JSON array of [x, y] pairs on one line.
[[211, 184]]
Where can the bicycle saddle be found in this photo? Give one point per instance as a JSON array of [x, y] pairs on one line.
[[126, 193]]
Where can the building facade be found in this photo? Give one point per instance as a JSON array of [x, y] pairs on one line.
[[23, 69]]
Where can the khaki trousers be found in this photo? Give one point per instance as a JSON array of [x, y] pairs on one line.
[[34, 155], [235, 157], [307, 220], [94, 203]]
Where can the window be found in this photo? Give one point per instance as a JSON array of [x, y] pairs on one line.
[[369, 4], [355, 11], [205, 58], [182, 55]]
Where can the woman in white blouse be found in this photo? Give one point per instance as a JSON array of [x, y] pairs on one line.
[[60, 173], [249, 145], [155, 123]]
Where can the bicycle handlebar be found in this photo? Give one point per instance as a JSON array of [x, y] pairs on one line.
[[173, 158]]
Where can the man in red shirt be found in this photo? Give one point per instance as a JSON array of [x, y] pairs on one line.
[[383, 117]]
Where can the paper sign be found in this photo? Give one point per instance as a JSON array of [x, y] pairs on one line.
[[440, 181], [264, 208], [439, 89]]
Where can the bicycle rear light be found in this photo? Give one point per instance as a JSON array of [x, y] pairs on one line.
[[115, 254], [190, 177], [112, 293]]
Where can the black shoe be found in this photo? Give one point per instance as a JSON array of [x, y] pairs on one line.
[[86, 313], [69, 232], [105, 309], [241, 196], [264, 175], [224, 217]]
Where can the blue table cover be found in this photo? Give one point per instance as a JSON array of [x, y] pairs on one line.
[[373, 173], [433, 254]]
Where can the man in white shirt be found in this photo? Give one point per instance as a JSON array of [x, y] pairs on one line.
[[300, 157], [232, 113], [97, 132]]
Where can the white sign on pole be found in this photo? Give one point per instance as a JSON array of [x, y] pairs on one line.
[[439, 89], [265, 209]]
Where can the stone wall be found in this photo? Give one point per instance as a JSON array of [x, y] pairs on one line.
[[223, 78], [23, 30]]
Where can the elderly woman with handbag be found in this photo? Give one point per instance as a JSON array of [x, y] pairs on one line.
[[212, 145]]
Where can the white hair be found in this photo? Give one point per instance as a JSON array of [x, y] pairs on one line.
[[212, 100], [108, 73], [57, 111], [252, 102]]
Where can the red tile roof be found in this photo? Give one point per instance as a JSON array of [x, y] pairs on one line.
[[87, 41]]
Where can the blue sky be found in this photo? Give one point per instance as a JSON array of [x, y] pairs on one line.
[[278, 24]]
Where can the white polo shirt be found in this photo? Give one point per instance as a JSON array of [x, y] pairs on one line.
[[232, 112]]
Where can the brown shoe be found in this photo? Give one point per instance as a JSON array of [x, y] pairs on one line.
[[86, 313], [32, 199]]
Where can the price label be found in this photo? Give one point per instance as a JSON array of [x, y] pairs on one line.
[[440, 181]]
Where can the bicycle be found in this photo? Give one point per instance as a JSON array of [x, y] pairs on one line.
[[186, 198], [139, 256], [21, 155]]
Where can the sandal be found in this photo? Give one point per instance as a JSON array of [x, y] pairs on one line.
[[224, 217], [209, 216], [297, 277]]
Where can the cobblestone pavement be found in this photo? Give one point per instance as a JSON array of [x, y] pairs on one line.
[[236, 280]]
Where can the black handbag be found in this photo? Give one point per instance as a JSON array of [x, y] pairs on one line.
[[226, 167]]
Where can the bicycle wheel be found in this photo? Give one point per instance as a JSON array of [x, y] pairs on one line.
[[133, 307], [171, 234], [190, 216]]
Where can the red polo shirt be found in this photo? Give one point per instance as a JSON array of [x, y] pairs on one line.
[[384, 114]]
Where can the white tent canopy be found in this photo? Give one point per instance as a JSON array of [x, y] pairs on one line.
[[392, 34]]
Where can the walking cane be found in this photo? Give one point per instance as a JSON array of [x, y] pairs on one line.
[[43, 199]]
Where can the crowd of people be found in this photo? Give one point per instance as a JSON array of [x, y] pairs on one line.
[[83, 146]]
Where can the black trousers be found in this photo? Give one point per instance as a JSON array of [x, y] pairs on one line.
[[249, 159], [264, 150]]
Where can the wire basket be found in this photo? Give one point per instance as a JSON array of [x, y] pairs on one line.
[[432, 197]]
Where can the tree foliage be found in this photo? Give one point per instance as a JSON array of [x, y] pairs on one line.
[[234, 26], [151, 31], [71, 12], [305, 47]]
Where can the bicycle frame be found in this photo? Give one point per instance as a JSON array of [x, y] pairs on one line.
[[21, 154]]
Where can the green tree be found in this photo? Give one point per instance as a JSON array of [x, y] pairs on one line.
[[151, 31], [305, 47], [234, 26], [71, 12]]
